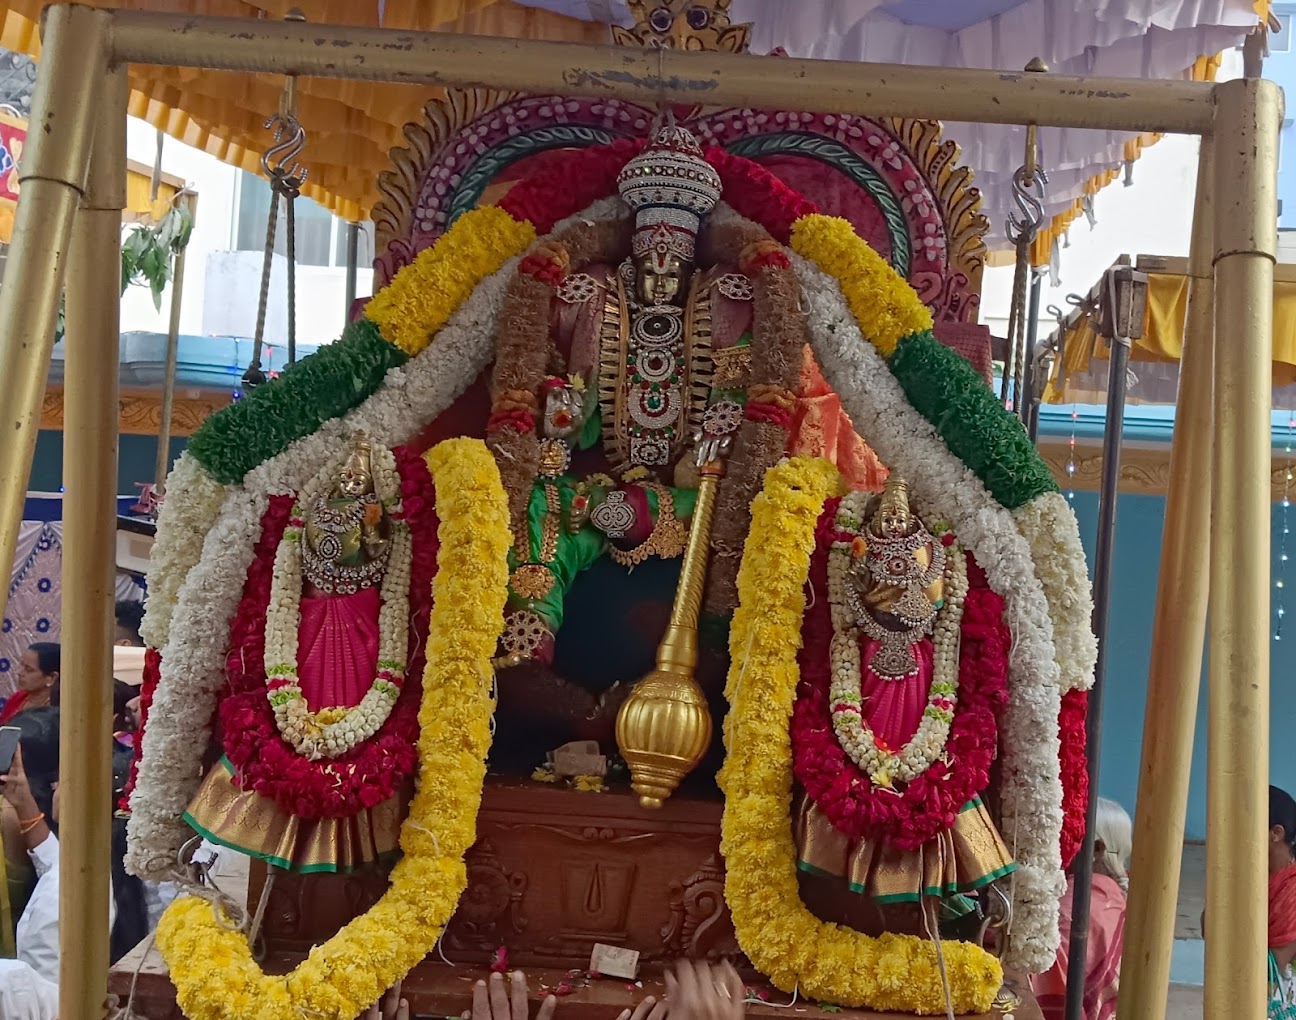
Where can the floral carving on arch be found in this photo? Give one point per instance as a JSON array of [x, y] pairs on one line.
[[896, 180]]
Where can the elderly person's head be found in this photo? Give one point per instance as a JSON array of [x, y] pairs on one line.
[[1113, 842]]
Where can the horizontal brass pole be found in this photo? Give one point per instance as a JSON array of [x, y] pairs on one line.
[[713, 79]]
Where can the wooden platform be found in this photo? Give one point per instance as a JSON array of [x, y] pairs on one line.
[[554, 871], [437, 990]]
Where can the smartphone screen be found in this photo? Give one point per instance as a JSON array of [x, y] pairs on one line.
[[8, 745]]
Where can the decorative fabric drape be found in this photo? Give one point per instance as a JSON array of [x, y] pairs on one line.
[[352, 125], [1081, 374], [35, 596]]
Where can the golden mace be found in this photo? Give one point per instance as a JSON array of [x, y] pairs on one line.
[[664, 727]]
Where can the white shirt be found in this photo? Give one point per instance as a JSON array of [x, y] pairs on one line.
[[38, 939], [24, 994]]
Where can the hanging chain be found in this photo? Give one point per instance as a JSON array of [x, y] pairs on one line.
[[286, 176]]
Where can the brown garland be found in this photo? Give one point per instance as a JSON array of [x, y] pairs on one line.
[[522, 346], [779, 336], [525, 352]]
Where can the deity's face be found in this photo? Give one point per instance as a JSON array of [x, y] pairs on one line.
[[563, 413], [660, 285], [893, 520], [356, 480]]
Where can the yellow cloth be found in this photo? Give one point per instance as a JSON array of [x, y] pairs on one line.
[[1162, 340], [966, 857], [254, 825], [350, 126]]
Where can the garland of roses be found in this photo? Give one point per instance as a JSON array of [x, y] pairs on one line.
[[911, 815], [781, 937], [263, 762], [210, 961]]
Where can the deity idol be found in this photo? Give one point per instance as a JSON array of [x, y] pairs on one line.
[[905, 657], [657, 372], [336, 634]]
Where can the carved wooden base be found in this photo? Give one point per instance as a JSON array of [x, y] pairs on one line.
[[435, 990], [554, 871]]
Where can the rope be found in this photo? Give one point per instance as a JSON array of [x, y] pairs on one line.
[[263, 301], [932, 928]]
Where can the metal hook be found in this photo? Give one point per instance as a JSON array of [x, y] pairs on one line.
[[280, 160], [1028, 192]]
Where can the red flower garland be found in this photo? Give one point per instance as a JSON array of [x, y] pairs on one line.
[[148, 687], [584, 176], [929, 804], [1075, 772], [369, 774], [569, 184]]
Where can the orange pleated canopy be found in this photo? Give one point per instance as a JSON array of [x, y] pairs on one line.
[[350, 126]]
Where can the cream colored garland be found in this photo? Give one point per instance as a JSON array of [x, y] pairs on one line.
[[331, 732], [885, 766]]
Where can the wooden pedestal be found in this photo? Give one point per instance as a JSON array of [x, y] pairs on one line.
[[553, 872]]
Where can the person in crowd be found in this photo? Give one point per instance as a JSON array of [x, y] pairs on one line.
[[125, 715], [38, 675], [1282, 904], [130, 614], [1113, 842], [25, 995]]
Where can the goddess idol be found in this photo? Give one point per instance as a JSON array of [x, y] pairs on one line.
[[903, 669], [316, 732]]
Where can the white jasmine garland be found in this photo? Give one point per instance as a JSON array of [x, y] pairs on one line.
[[331, 732], [193, 499], [1049, 526], [193, 651], [927, 744], [1031, 807]]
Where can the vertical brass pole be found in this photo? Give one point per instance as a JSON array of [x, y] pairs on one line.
[[1248, 114], [51, 176], [89, 547], [1178, 631], [163, 462]]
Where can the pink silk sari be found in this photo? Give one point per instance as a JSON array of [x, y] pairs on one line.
[[337, 649], [1106, 942], [894, 708]]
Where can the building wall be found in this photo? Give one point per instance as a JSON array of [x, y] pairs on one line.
[[1139, 522]]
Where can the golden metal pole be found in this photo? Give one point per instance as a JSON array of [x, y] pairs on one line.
[[1178, 631], [51, 175], [89, 548], [1247, 120], [651, 76]]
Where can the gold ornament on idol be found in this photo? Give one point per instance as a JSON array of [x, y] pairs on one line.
[[664, 727]]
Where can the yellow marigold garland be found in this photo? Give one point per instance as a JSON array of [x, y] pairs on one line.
[[884, 304], [779, 935], [212, 966], [423, 295]]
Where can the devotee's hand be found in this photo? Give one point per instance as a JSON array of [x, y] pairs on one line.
[[392, 1006], [499, 1003], [700, 991], [17, 791], [649, 1009]]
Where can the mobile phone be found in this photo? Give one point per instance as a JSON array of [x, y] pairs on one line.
[[8, 746]]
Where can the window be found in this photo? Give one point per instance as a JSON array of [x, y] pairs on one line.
[[1281, 40], [321, 236], [364, 246]]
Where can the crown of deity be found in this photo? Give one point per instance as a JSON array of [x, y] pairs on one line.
[[670, 187]]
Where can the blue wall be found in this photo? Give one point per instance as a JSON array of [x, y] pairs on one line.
[[1138, 555]]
